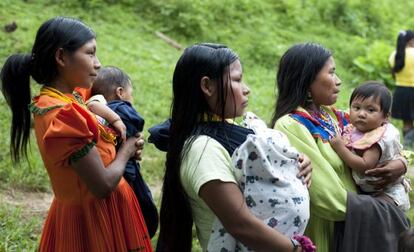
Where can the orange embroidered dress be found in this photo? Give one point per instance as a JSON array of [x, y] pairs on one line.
[[77, 220]]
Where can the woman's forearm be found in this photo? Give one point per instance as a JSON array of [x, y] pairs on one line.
[[263, 238], [115, 170], [388, 173], [227, 202], [99, 179]]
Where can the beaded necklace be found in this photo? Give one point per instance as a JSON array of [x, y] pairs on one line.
[[105, 132], [53, 92], [215, 118], [326, 122]]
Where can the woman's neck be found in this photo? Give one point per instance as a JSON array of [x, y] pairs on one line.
[[410, 43], [313, 108], [61, 85]]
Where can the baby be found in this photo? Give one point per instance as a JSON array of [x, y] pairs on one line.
[[265, 167], [112, 101], [370, 139]]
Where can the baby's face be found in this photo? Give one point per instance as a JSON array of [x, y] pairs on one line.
[[366, 114]]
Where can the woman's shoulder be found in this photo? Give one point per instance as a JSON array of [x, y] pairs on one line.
[[50, 107], [43, 104], [297, 116], [57, 117], [409, 57], [204, 144], [205, 160], [287, 118], [410, 50], [203, 151]]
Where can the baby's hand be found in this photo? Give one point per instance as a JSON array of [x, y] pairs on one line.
[[120, 127], [336, 142]]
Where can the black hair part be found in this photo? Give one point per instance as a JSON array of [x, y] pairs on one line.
[[298, 68]]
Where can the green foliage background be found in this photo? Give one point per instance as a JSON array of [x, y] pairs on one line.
[[361, 35]]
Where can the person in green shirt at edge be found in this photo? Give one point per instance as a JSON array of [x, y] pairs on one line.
[[308, 87]]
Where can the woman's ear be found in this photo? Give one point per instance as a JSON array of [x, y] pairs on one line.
[[207, 86], [119, 93], [60, 57]]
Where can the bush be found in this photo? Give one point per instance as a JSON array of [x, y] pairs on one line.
[[374, 64]]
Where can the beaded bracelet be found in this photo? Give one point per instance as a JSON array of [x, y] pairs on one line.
[[295, 244], [305, 243]]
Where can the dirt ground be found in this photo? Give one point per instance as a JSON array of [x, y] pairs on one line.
[[31, 203], [37, 203]]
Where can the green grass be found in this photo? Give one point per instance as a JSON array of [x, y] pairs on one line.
[[260, 31], [18, 232]]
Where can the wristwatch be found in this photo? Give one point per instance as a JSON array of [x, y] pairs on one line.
[[295, 244]]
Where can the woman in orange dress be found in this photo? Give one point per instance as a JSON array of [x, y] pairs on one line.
[[94, 209]]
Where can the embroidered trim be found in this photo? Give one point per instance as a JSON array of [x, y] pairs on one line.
[[326, 122], [342, 118], [315, 128], [314, 134], [41, 111], [78, 97], [107, 134], [82, 152]]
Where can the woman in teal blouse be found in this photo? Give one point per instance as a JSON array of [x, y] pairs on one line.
[[307, 88]]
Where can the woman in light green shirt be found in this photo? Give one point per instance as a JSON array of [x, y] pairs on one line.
[[307, 88]]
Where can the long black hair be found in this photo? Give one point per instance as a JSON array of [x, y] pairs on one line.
[[188, 109], [298, 68], [402, 40], [59, 32]]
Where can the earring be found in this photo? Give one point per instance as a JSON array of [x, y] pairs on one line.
[[309, 97]]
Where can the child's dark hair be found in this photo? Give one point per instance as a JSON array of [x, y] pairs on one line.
[[403, 38], [406, 241], [108, 80], [376, 90], [60, 32]]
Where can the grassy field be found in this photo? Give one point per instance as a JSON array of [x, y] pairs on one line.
[[360, 36]]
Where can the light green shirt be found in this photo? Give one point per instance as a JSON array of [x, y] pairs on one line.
[[205, 161], [331, 180]]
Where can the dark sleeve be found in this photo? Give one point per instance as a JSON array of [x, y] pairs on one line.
[[133, 121], [160, 135]]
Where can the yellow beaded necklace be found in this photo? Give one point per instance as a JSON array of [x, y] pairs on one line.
[[53, 92], [215, 118], [106, 135]]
